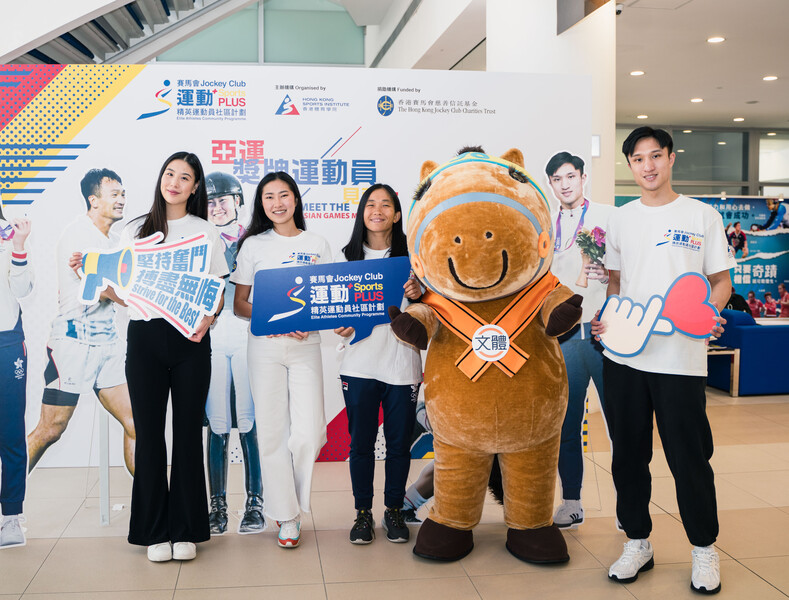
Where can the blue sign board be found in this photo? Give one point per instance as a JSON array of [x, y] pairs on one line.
[[352, 294]]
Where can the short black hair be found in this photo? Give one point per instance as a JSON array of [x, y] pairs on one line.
[[91, 182], [562, 159], [661, 136]]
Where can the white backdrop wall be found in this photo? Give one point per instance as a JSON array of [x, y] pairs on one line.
[[335, 130]]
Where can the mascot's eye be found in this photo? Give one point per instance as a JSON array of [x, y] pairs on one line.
[[488, 235], [457, 240], [518, 176]]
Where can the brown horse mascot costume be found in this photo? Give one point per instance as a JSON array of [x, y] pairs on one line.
[[480, 239]]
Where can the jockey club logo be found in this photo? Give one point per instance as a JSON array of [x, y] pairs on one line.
[[160, 96]]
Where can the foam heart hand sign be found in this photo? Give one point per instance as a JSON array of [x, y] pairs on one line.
[[685, 309], [353, 294]]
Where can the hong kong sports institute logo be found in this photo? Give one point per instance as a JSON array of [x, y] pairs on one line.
[[385, 105], [160, 96], [288, 107]]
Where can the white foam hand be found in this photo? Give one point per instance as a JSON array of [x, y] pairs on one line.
[[628, 325]]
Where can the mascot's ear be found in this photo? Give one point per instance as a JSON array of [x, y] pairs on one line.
[[427, 168], [514, 156]]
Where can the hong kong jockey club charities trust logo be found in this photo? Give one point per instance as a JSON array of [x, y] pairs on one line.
[[292, 296], [385, 105], [287, 107], [160, 96]]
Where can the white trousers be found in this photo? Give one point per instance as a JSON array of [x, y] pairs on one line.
[[286, 376], [229, 367]]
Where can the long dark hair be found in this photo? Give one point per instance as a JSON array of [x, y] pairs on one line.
[[355, 248], [197, 204], [260, 222]]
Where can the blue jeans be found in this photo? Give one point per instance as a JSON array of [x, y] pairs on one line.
[[584, 360], [363, 399]]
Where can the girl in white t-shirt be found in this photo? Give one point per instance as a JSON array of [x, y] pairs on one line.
[[379, 371], [285, 371], [161, 362]]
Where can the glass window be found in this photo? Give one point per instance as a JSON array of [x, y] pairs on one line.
[[774, 161], [711, 155], [234, 39], [310, 32]]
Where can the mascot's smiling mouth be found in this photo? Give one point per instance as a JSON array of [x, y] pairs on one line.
[[505, 263]]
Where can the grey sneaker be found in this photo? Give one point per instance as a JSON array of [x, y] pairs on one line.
[[253, 520], [569, 515], [636, 557], [11, 533], [705, 576]]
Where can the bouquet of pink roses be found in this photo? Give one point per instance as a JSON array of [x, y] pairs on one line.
[[592, 245]]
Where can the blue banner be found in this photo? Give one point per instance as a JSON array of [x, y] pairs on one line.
[[354, 294]]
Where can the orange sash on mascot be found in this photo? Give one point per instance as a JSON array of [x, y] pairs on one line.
[[464, 322]]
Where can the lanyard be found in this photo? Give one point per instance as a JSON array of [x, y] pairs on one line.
[[557, 247]]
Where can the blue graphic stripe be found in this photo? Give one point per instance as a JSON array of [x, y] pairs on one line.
[[5, 157], [9, 83], [26, 179], [19, 191], [332, 146], [8, 202], [44, 146], [13, 73], [34, 168]]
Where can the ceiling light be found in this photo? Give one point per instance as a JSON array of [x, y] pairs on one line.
[[687, 131], [681, 150], [721, 143], [771, 133], [636, 73], [696, 100], [642, 117], [716, 39], [738, 119], [769, 77]]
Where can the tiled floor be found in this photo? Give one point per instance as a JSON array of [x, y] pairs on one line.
[[70, 556]]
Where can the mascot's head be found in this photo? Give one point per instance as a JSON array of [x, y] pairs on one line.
[[479, 227]]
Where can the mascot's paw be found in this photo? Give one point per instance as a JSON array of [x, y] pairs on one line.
[[407, 328], [564, 316], [544, 545], [441, 542]]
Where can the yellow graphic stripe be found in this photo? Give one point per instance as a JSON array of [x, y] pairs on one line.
[[58, 113]]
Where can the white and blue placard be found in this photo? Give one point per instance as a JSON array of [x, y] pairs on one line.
[[352, 294]]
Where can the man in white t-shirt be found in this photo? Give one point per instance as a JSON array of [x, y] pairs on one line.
[[650, 242], [84, 351], [579, 248]]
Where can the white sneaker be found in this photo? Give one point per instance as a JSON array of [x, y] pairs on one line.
[[184, 550], [289, 533], [160, 552], [706, 573], [11, 533], [569, 515], [636, 557]]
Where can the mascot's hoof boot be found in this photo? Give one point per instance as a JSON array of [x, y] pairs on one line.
[[441, 542], [542, 546]]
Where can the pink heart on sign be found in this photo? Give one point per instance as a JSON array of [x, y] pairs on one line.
[[687, 305]]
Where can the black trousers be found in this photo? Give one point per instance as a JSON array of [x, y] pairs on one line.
[[161, 362], [679, 405]]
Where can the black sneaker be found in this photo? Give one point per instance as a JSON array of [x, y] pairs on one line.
[[394, 525], [363, 530], [410, 518], [217, 519]]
